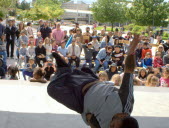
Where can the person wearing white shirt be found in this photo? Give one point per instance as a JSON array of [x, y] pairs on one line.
[[111, 40], [74, 53], [96, 46]]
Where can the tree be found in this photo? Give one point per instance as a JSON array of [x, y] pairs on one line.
[[7, 5], [111, 11], [43, 9], [24, 5], [149, 12]]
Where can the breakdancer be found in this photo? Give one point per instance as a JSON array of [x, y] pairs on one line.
[[100, 104]]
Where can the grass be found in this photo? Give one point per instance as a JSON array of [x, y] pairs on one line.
[[102, 27]]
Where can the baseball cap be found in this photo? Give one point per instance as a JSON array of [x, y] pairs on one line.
[[89, 43], [94, 36], [113, 65], [117, 46]]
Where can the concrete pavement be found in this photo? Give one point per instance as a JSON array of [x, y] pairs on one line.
[[27, 105]]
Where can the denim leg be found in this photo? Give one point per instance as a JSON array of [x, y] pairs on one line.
[[3, 53], [26, 73], [90, 63], [105, 64], [84, 64], [97, 65]]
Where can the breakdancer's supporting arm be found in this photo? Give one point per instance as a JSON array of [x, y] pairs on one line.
[[123, 119]]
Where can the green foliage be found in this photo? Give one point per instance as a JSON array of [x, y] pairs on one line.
[[165, 38], [24, 5], [101, 27], [109, 11], [165, 34], [149, 12], [7, 3], [135, 28], [43, 9], [1, 14], [129, 27]]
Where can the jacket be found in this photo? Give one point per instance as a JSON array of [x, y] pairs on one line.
[[12, 33], [103, 55], [39, 51], [158, 62]]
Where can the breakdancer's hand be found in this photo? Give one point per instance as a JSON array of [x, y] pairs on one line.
[[130, 61], [133, 44]]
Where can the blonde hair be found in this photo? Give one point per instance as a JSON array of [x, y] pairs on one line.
[[116, 77], [103, 74], [151, 78], [159, 47], [47, 40], [165, 70]]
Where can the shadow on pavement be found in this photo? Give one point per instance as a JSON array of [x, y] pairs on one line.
[[46, 120]]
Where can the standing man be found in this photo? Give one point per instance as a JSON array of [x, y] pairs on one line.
[[74, 53], [46, 30], [12, 33], [58, 34], [2, 28], [101, 105], [40, 25]]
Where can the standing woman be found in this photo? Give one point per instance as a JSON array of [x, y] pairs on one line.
[[21, 27], [29, 29]]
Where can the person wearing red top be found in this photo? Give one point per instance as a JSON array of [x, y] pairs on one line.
[[31, 39], [145, 50], [158, 62], [54, 46]]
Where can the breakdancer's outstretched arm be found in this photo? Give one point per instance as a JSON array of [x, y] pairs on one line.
[[126, 91]]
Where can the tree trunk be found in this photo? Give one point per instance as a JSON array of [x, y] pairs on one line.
[[112, 27]]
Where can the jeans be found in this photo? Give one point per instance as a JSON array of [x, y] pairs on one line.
[[38, 61], [26, 73], [88, 61], [3, 53], [97, 62], [77, 61]]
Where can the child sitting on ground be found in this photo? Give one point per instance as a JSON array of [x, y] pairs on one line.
[[147, 61], [117, 80], [158, 62], [38, 75], [12, 72], [22, 54], [49, 68], [164, 81], [38, 38], [157, 72], [48, 46], [142, 76], [152, 81], [145, 50], [29, 69], [103, 76]]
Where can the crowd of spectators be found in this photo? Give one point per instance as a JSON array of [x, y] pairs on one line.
[[103, 52]]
